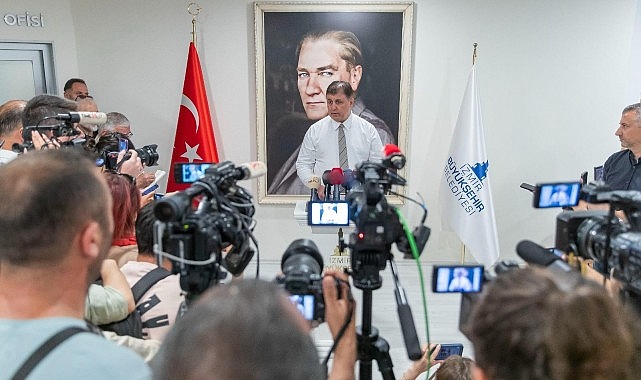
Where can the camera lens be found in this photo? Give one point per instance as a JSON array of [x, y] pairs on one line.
[[148, 155], [172, 208], [302, 256]]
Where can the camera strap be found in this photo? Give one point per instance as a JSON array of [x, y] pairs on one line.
[[44, 350]]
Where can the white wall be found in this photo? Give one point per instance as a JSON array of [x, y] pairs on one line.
[[552, 74], [58, 28]]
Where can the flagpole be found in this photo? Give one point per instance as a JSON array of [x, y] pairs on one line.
[[194, 10], [463, 250], [474, 54]]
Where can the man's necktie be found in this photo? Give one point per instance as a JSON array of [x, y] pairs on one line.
[[342, 147]]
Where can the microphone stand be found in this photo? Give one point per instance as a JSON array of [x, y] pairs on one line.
[[314, 195], [336, 194]]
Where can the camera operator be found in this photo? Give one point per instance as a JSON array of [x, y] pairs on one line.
[[47, 106], [532, 324], [41, 107], [620, 169], [250, 330]]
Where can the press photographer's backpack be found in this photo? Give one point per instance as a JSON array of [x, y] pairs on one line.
[[132, 325]]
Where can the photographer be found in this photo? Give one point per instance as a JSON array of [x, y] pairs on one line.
[[250, 330], [532, 324], [132, 166]]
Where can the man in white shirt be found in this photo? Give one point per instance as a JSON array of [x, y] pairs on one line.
[[320, 148]]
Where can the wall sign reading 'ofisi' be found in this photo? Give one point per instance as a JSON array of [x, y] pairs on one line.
[[25, 19]]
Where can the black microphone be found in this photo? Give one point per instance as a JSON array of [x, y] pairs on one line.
[[533, 253], [327, 181], [527, 186], [410, 337]]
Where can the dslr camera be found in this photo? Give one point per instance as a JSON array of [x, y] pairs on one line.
[[148, 156], [301, 267]]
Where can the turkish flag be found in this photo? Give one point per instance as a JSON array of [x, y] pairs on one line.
[[194, 140]]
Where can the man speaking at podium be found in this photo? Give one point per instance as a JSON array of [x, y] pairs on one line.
[[339, 140]]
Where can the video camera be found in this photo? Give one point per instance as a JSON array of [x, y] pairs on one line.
[[600, 235], [57, 130], [377, 224], [64, 129], [196, 226]]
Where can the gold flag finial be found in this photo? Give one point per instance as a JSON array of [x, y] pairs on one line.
[[194, 10], [474, 54]]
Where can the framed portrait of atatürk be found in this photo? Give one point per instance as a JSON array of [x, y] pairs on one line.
[[300, 48]]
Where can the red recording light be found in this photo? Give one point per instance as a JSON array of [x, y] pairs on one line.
[[361, 235]]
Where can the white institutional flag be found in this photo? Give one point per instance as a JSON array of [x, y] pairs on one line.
[[465, 194]]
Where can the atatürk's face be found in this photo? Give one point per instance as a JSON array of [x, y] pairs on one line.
[[319, 64]]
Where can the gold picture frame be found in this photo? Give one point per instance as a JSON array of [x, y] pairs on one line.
[[385, 32]]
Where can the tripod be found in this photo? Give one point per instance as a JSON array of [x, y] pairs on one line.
[[370, 345], [373, 347]]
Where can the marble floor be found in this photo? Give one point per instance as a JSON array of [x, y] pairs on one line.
[[442, 311]]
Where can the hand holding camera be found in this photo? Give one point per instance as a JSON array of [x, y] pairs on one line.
[[132, 165], [339, 303]]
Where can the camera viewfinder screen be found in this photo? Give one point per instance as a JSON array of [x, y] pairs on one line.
[[328, 214], [192, 172], [457, 279], [305, 304], [557, 194]]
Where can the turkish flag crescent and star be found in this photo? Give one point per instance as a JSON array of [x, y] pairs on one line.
[[194, 140]]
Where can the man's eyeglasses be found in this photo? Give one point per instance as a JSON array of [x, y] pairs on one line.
[[80, 97]]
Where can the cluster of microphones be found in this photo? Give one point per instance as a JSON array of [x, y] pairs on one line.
[[337, 180]]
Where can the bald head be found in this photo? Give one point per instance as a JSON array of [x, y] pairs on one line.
[[11, 122]]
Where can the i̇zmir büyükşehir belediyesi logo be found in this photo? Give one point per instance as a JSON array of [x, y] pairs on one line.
[[466, 183]]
